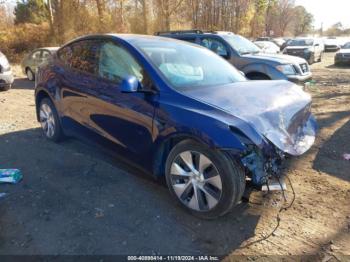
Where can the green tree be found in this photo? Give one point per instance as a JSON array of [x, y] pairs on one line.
[[302, 21], [31, 11]]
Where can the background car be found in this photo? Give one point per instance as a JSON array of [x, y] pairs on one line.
[[176, 110], [331, 44], [31, 61], [268, 47], [311, 49], [285, 44], [343, 55], [246, 56], [278, 41], [263, 38], [6, 77]]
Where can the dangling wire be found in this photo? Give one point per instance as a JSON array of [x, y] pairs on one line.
[[278, 218]]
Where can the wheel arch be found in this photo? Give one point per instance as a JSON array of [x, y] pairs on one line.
[[253, 74], [262, 69], [163, 149]]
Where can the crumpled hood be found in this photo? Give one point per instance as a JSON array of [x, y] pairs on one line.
[[278, 110], [277, 58]]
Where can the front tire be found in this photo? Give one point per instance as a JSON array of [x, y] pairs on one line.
[[5, 88], [312, 59], [204, 181], [30, 74], [49, 120], [320, 58]]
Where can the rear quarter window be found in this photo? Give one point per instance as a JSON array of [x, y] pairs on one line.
[[82, 56]]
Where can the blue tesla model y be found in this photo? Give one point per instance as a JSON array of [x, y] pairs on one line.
[[176, 110]]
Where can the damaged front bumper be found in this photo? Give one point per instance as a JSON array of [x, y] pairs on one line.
[[262, 166]]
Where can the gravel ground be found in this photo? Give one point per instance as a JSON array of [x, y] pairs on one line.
[[75, 199]]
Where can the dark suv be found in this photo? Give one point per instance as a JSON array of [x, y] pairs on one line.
[[246, 56]]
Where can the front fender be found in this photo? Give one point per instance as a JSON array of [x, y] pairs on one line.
[[206, 126]]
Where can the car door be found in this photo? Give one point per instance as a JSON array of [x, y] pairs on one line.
[[125, 119], [77, 73]]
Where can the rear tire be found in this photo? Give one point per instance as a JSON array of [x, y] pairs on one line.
[[5, 88], [311, 59], [205, 182], [320, 58], [50, 121]]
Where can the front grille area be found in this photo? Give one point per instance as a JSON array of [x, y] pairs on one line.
[[346, 55], [295, 52], [304, 68]]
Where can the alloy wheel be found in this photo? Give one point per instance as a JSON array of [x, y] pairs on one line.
[[196, 181], [30, 75], [47, 120]]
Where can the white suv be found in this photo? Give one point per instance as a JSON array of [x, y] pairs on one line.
[[6, 77]]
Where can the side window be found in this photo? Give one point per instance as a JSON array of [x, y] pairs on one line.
[[82, 55], [116, 63], [214, 45], [46, 54], [65, 55], [36, 55]]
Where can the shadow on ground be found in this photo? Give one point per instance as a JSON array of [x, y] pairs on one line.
[[23, 83], [75, 200], [330, 156], [340, 66]]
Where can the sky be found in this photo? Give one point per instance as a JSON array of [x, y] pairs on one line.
[[328, 12]]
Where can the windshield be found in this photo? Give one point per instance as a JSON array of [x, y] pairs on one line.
[[301, 42], [242, 45], [346, 46], [262, 45], [186, 66]]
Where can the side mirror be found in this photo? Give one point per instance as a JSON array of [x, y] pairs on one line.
[[130, 85], [317, 44]]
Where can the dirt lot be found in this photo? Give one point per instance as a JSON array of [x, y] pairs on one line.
[[75, 199]]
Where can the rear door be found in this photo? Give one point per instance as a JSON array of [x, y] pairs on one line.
[[78, 77]]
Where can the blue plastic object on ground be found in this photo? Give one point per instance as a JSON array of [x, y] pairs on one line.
[[12, 176]]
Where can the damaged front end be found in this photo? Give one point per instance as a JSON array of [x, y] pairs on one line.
[[263, 165], [272, 119]]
